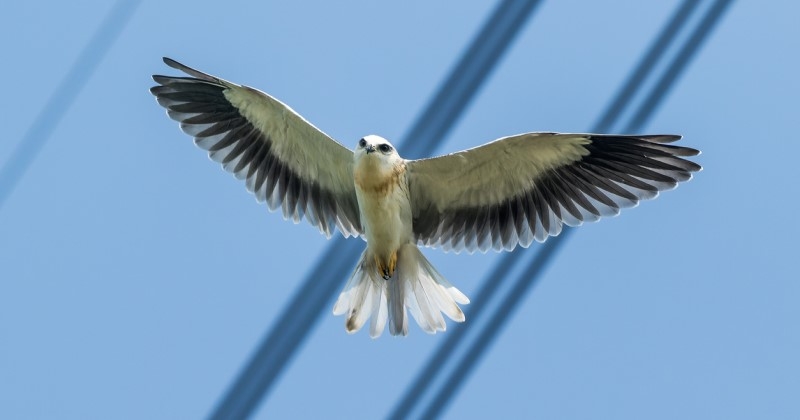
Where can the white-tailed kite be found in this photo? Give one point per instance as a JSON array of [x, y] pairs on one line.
[[505, 193]]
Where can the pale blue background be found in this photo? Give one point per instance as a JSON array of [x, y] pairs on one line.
[[136, 277]]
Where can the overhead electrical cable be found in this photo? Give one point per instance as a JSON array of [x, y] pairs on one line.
[[462, 367], [64, 95]]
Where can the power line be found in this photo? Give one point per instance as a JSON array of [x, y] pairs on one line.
[[533, 272], [312, 297], [425, 379], [486, 335], [491, 328], [480, 58], [645, 66], [679, 64], [64, 95], [492, 285]]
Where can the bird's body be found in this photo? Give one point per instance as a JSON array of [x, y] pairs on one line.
[[505, 193], [392, 273], [383, 201]]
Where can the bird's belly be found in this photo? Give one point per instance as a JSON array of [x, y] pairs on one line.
[[386, 219]]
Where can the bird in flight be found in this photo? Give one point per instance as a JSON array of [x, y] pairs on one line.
[[505, 193]]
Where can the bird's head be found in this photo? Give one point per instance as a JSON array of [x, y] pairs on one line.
[[376, 163], [377, 151]]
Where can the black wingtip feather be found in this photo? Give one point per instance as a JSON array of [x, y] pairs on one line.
[[190, 71]]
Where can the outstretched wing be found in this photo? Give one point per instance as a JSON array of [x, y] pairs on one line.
[[525, 187], [284, 160]]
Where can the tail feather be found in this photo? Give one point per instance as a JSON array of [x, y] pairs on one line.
[[398, 324], [429, 317], [364, 296], [379, 315], [416, 285]]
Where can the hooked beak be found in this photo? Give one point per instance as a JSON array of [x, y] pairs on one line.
[[370, 149]]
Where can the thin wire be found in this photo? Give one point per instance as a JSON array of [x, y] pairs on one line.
[[64, 95], [431, 370], [645, 66], [467, 77], [534, 270], [425, 378], [486, 335], [312, 297], [679, 64]]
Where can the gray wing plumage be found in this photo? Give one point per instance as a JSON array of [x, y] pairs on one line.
[[523, 188], [283, 159]]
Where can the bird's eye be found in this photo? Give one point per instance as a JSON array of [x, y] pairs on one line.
[[385, 148], [362, 143]]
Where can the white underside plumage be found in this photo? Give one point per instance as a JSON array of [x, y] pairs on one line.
[[385, 210], [416, 286]]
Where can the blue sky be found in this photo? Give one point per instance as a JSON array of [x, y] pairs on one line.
[[136, 277]]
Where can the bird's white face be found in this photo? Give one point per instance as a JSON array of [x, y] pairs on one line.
[[376, 150], [375, 163]]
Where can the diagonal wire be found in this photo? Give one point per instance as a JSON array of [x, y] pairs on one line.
[[533, 272], [427, 375], [466, 78], [312, 297], [64, 95], [644, 68], [679, 64], [491, 285]]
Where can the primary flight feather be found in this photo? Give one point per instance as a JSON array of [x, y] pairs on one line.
[[505, 193]]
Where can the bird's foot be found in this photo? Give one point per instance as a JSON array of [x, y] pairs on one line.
[[387, 270]]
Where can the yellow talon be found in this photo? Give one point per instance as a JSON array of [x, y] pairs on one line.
[[392, 263], [386, 270]]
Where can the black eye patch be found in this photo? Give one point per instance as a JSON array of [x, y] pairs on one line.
[[385, 148], [362, 143]]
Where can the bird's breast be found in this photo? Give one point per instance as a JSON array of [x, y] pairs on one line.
[[385, 209], [373, 177]]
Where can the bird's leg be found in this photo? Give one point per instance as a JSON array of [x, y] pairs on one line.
[[392, 265], [386, 268]]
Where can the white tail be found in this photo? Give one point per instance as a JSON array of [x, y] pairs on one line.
[[416, 285]]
